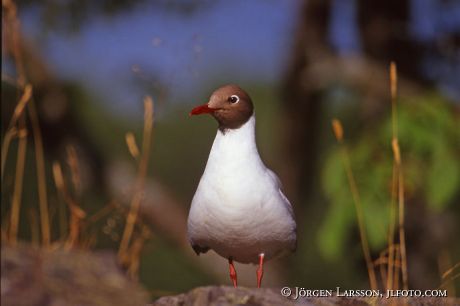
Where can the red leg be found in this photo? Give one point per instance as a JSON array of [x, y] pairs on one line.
[[260, 270], [232, 272]]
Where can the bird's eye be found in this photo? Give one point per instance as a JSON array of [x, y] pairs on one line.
[[234, 99]]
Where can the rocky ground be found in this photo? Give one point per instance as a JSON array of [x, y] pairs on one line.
[[226, 296], [38, 277]]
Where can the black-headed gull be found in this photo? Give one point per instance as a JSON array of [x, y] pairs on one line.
[[239, 210]]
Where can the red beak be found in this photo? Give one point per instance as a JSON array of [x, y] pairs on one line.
[[202, 109]]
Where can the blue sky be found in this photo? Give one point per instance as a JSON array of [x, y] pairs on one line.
[[233, 41], [226, 41]]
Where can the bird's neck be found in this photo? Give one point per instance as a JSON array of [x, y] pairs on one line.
[[247, 131], [235, 144]]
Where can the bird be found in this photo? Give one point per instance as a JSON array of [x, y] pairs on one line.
[[239, 210]]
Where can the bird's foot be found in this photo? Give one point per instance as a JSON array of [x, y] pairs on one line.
[[260, 270], [233, 276]]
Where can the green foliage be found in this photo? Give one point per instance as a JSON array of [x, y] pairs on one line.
[[340, 215], [429, 137]]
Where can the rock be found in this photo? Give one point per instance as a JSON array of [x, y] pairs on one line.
[[39, 277], [226, 296]]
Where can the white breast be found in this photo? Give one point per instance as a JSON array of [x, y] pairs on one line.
[[238, 209]]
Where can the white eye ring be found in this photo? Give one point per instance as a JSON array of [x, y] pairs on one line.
[[234, 99]]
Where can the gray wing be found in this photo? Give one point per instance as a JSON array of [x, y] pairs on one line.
[[280, 187], [286, 203]]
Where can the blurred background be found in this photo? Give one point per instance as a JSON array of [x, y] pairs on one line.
[[91, 63]]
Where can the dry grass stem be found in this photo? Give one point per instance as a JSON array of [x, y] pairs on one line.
[[394, 92], [89, 242], [450, 270], [402, 235], [140, 182], [76, 213], [393, 81], [12, 130], [338, 130], [444, 263], [384, 260], [135, 252], [19, 177], [76, 217], [391, 227], [449, 281], [20, 106], [398, 162], [58, 177], [12, 41], [383, 273], [41, 176], [101, 213], [337, 127], [397, 264], [9, 135], [72, 162], [132, 145], [396, 151]]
